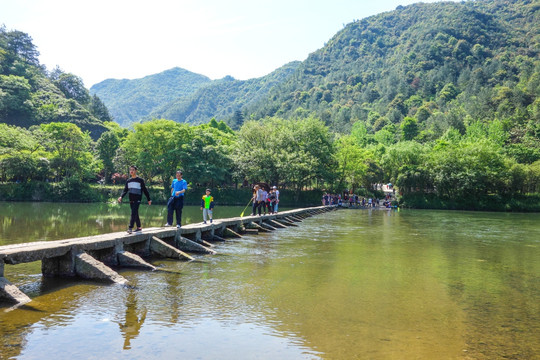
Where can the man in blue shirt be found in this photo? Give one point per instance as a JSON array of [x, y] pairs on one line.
[[176, 202]]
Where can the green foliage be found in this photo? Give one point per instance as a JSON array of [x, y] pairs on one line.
[[71, 85], [106, 147], [409, 128], [29, 97], [70, 149], [15, 95], [356, 165], [288, 152], [439, 62], [157, 147], [208, 156]]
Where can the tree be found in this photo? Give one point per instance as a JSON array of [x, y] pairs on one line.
[[71, 85], [106, 146], [403, 156], [70, 148], [19, 44], [158, 148], [256, 152], [24, 166], [409, 128], [307, 150], [275, 150], [99, 110], [209, 156], [469, 169], [15, 95], [351, 163]]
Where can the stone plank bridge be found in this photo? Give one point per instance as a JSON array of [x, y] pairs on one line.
[[94, 257]]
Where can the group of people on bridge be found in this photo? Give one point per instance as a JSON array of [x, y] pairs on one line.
[[354, 201], [136, 187], [265, 201]]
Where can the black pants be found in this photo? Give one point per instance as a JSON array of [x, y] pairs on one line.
[[257, 205], [134, 214], [177, 204]]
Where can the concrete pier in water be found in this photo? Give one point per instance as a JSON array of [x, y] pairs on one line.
[[94, 257]]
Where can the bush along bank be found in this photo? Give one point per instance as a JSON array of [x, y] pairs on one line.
[[516, 203], [76, 191], [65, 191]]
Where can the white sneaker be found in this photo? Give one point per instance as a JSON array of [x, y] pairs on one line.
[[167, 224], [178, 226]]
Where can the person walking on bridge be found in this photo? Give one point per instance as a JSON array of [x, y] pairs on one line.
[[135, 187], [276, 202], [176, 201], [257, 199]]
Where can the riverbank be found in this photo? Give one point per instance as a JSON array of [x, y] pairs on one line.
[[517, 203], [78, 192], [82, 192]]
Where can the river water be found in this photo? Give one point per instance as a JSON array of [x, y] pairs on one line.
[[349, 284]]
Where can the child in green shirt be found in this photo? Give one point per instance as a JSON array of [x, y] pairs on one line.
[[207, 204]]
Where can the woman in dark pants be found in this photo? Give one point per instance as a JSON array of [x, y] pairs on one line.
[[257, 199]]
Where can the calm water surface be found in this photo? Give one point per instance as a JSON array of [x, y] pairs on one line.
[[351, 284]]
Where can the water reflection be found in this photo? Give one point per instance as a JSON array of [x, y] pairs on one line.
[[133, 319], [27, 222], [349, 284]]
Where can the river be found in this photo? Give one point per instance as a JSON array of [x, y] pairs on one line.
[[349, 284]]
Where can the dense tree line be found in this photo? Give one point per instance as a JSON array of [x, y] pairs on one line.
[[296, 154]]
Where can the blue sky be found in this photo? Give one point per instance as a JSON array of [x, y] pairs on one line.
[[102, 39]]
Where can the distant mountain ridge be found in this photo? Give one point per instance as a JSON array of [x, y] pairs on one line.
[[131, 100], [223, 98]]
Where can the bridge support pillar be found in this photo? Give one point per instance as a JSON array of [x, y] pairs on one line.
[[11, 294], [89, 268], [258, 227], [63, 266], [231, 233], [125, 258], [161, 248], [276, 224], [185, 244], [267, 226]]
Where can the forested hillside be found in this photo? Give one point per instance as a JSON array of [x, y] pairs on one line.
[[444, 64], [441, 100], [132, 100], [30, 95], [224, 99]]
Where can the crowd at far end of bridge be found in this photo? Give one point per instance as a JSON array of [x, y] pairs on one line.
[[351, 200]]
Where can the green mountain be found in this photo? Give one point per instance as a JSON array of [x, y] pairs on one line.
[[29, 95], [131, 100], [445, 64], [224, 99]]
